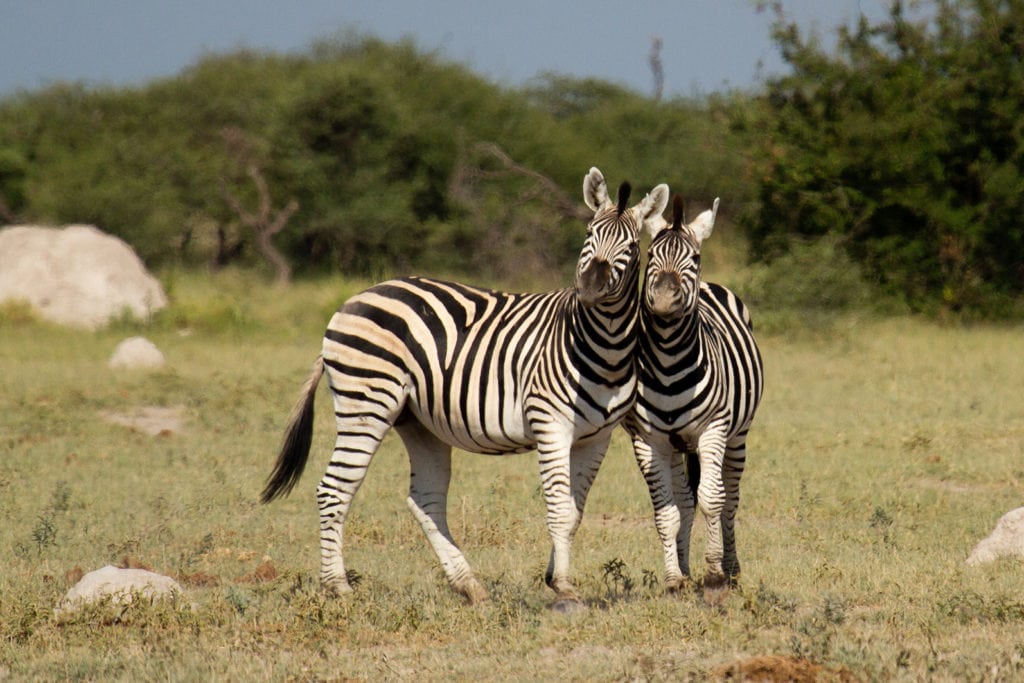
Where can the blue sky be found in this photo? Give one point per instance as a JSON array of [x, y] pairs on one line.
[[708, 44]]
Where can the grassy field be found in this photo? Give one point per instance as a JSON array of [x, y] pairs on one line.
[[885, 449]]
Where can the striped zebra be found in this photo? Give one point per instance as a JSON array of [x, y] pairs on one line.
[[700, 383], [450, 365]]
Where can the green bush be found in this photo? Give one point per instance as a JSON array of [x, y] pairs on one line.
[[813, 275], [907, 144]]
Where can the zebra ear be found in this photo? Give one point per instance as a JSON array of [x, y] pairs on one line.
[[705, 222], [651, 208], [595, 190]]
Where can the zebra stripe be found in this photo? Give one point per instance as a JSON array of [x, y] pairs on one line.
[[451, 365], [701, 380]]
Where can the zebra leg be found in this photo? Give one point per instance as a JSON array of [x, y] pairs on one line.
[[364, 414], [354, 449], [566, 478], [685, 478], [430, 471], [711, 500], [732, 470], [657, 470]]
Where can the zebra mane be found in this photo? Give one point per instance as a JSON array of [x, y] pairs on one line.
[[624, 190], [677, 212]]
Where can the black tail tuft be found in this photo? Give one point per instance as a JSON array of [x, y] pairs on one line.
[[624, 191], [298, 437]]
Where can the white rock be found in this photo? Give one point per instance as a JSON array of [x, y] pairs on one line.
[[120, 586], [1007, 539], [76, 276], [136, 352]]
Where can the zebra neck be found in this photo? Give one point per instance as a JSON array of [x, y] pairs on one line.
[[669, 344], [606, 335]]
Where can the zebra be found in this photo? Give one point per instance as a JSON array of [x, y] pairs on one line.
[[451, 365], [701, 379]]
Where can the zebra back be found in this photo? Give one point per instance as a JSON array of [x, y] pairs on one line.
[[484, 369]]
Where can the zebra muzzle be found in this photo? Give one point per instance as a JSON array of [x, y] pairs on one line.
[[666, 300], [593, 282]]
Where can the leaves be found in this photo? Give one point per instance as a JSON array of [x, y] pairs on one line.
[[903, 143]]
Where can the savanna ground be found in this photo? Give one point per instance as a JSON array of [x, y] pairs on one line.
[[884, 450]]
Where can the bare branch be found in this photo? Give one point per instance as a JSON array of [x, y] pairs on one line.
[[265, 223], [567, 206], [657, 69]]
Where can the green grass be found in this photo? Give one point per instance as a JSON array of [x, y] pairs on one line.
[[885, 449]]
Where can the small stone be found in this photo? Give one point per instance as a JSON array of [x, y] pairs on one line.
[[1006, 540], [120, 586], [136, 352]]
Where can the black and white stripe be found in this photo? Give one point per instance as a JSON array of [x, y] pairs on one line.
[[701, 380], [447, 364]]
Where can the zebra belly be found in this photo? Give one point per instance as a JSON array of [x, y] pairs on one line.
[[510, 435]]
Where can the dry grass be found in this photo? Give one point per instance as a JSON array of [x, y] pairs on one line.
[[885, 450]]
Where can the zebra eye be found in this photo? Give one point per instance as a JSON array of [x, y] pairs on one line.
[[696, 259]]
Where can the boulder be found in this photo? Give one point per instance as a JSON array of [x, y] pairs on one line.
[[1007, 539], [77, 276], [119, 586], [136, 352]]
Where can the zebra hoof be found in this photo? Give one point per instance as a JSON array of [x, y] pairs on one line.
[[474, 593], [679, 585], [716, 590], [336, 589], [568, 606]]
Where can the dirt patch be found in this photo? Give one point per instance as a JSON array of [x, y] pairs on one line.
[[949, 486], [152, 420], [263, 573], [778, 669], [130, 562], [198, 579]]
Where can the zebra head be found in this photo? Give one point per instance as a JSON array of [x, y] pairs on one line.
[[609, 260], [672, 280]]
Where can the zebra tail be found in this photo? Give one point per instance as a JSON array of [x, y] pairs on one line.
[[298, 436], [693, 471]]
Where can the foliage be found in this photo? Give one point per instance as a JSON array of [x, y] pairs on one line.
[[380, 145], [901, 153], [808, 288], [908, 146]]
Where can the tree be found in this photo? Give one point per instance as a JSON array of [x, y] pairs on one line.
[[265, 222], [906, 144]]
